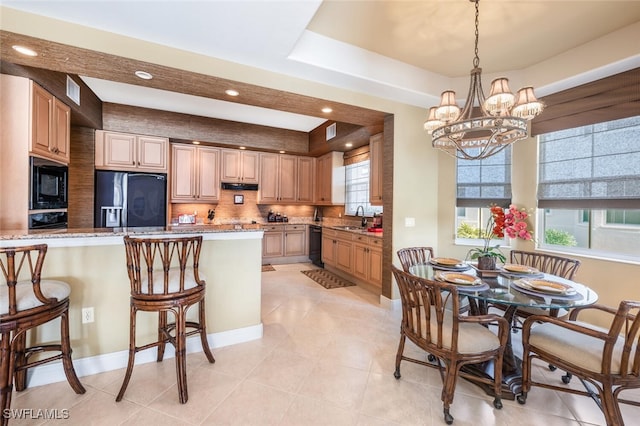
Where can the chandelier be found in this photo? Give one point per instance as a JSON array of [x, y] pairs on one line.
[[485, 126]]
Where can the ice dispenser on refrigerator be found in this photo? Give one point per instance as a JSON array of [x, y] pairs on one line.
[[127, 199]]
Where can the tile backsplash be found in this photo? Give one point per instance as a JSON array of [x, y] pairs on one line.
[[229, 212]]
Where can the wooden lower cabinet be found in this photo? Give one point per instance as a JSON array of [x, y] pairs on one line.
[[295, 240], [284, 242], [273, 243], [367, 259], [357, 255]]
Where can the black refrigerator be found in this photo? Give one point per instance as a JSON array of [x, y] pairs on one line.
[[130, 199]]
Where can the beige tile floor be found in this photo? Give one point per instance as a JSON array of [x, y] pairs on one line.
[[327, 358]]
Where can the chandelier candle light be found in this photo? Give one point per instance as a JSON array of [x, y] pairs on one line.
[[500, 119]]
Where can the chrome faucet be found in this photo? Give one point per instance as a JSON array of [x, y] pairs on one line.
[[364, 219]]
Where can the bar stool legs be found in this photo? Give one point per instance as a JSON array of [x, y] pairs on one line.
[[178, 339]]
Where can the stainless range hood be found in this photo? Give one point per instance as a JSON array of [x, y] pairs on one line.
[[233, 186]]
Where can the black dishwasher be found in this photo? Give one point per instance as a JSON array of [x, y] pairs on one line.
[[315, 245]]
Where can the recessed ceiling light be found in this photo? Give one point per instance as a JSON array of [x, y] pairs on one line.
[[326, 110], [348, 144], [143, 75], [25, 50], [232, 92], [196, 142]]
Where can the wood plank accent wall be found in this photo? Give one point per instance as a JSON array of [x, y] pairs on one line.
[[79, 61], [81, 177], [184, 127], [387, 204]]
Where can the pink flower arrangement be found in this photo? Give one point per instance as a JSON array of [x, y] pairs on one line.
[[515, 225], [511, 222]]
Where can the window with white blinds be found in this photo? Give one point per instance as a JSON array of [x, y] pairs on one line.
[[484, 182], [357, 190], [593, 166]]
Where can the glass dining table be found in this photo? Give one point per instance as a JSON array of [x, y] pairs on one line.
[[509, 291]]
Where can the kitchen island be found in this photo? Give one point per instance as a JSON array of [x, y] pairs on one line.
[[93, 262]]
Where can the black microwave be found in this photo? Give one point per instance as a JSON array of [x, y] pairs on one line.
[[48, 184]]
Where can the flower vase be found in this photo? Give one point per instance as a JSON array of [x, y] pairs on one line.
[[487, 263]]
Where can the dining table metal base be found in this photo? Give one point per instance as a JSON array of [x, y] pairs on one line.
[[511, 364]]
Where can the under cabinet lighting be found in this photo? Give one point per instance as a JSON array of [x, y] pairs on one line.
[[326, 110], [24, 50], [232, 92], [196, 142], [348, 144]]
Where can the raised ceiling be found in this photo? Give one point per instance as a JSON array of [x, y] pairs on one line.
[[406, 51]]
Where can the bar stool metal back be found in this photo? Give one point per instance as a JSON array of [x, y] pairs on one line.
[[164, 277], [27, 301]]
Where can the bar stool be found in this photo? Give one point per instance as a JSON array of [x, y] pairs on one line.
[[27, 301], [163, 273]]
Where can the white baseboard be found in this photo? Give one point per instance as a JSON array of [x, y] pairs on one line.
[[391, 304], [54, 372]]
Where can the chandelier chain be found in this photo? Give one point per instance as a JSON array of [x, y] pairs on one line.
[[484, 126], [476, 60]]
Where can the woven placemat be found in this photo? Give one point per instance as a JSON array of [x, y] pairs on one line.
[[268, 268], [327, 279]]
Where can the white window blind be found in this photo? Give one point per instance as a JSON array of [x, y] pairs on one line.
[[594, 166], [484, 182]]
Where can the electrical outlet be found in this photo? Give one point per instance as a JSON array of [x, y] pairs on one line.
[[87, 315]]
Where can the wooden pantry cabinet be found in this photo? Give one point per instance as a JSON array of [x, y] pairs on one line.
[[239, 166], [195, 174], [129, 152]]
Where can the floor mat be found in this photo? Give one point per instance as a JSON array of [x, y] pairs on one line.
[[327, 279], [268, 268]]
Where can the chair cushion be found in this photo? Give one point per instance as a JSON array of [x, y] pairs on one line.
[[472, 338], [174, 281], [530, 310], [575, 347], [26, 298]]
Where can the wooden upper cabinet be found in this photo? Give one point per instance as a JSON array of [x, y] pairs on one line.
[[287, 178], [375, 164], [330, 179], [278, 178], [129, 152], [195, 174], [306, 179], [50, 126], [239, 166]]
